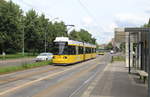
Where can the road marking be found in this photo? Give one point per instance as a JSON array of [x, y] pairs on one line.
[[93, 84], [22, 76], [40, 79], [68, 81], [100, 96], [85, 82]]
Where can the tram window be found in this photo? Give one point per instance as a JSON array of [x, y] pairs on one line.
[[92, 49], [71, 50], [84, 50], [80, 50], [87, 50]]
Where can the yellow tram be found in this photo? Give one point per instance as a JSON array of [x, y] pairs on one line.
[[69, 51]]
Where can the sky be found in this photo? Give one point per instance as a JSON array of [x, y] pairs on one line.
[[99, 17]]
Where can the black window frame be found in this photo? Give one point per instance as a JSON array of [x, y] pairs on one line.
[[71, 50], [81, 50]]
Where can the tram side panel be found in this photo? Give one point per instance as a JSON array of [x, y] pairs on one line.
[[88, 54], [67, 59], [74, 55], [77, 56]]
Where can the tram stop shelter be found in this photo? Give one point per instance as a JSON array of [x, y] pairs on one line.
[[137, 49]]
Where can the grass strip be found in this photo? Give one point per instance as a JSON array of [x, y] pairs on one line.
[[10, 69], [118, 58], [16, 56]]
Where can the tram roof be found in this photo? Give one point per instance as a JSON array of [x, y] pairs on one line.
[[73, 42]]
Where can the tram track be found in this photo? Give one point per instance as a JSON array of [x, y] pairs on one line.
[[51, 91], [5, 80], [68, 80], [45, 77], [23, 76]]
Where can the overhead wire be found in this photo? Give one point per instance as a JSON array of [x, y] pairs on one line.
[[91, 15], [31, 6], [81, 4], [88, 12]]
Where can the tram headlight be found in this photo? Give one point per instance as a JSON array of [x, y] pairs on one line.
[[65, 57]]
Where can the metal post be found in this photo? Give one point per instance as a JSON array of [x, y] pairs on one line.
[[129, 53], [46, 34], [149, 82], [23, 40], [69, 29], [149, 65], [45, 42]]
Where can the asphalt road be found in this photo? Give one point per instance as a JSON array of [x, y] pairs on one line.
[[16, 62], [53, 81]]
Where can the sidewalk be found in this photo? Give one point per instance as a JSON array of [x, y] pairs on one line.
[[116, 82]]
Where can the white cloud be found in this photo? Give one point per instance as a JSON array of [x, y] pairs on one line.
[[87, 21], [112, 26], [103, 29], [147, 10], [109, 27], [130, 20]]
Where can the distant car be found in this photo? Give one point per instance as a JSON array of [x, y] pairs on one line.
[[112, 52], [44, 57], [101, 53]]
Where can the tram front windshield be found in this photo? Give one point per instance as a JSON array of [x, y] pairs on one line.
[[60, 48]]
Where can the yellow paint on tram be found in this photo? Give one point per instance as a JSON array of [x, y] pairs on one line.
[[67, 59], [78, 51]]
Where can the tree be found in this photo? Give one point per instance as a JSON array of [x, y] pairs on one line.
[[36, 30], [32, 32], [74, 35], [39, 31], [59, 29], [43, 32], [109, 46], [82, 35], [54, 30], [10, 28], [147, 25]]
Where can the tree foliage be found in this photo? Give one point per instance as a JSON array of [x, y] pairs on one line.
[[33, 29], [83, 36], [10, 28], [109, 46], [147, 25]]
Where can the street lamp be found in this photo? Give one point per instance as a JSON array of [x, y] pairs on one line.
[[69, 28], [70, 25], [129, 52], [54, 19], [46, 34]]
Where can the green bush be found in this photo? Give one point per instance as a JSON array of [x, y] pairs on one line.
[[118, 58], [23, 67]]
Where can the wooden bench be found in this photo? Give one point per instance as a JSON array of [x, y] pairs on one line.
[[143, 75]]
